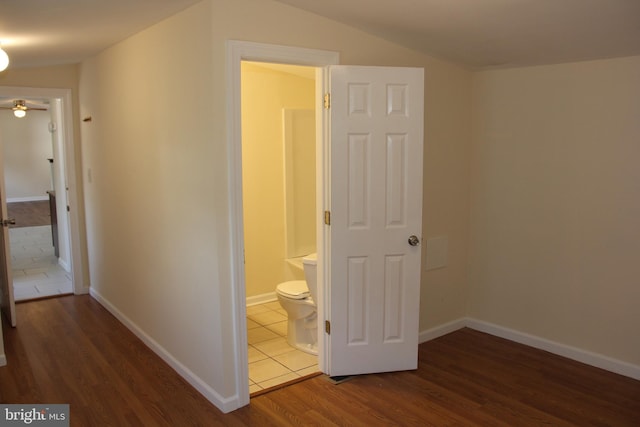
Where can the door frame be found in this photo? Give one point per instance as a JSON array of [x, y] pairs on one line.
[[238, 51], [73, 200]]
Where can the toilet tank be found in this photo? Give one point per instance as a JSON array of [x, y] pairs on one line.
[[310, 265]]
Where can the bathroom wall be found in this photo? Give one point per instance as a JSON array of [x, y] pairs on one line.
[[265, 93]]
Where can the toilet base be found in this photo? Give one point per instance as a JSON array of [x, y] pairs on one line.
[[302, 324], [307, 348], [302, 334]]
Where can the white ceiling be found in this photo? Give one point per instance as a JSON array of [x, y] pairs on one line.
[[48, 32], [475, 33]]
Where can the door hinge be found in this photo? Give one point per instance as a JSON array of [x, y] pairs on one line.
[[327, 327], [327, 217], [327, 101]]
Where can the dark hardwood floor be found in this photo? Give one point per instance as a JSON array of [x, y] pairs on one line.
[[29, 214], [71, 350]]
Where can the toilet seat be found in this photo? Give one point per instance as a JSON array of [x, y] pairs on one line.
[[294, 289]]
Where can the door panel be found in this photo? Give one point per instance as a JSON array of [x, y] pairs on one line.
[[7, 301], [376, 121]]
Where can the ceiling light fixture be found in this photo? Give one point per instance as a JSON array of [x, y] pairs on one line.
[[4, 59], [19, 108]]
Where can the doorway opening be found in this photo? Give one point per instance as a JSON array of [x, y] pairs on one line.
[[36, 199], [280, 221], [236, 53], [60, 195], [368, 263]]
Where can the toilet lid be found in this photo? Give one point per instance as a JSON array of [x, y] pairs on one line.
[[295, 289]]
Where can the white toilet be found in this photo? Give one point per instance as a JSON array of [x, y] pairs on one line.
[[297, 298]]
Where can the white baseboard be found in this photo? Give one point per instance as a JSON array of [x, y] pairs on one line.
[[438, 331], [3, 360], [65, 265], [84, 290], [224, 404], [577, 354], [573, 353], [261, 299], [27, 199]]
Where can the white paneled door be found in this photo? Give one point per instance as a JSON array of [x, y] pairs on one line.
[[376, 128], [7, 301]]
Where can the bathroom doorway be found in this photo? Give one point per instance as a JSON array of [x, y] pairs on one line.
[[279, 212], [343, 92]]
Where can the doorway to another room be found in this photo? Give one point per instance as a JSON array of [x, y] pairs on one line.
[[368, 283], [279, 215], [38, 233], [48, 258]]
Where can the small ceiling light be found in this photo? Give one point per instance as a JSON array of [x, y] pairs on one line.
[[4, 59], [19, 108]]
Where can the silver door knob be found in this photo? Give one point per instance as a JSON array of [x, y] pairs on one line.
[[414, 241]]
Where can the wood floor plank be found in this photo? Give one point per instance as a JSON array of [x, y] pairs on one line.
[[71, 350], [29, 214]]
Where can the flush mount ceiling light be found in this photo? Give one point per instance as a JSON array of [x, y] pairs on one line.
[[4, 59]]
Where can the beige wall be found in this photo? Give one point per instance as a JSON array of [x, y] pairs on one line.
[[447, 126], [26, 146], [157, 205], [556, 202], [156, 200], [60, 76], [265, 92]]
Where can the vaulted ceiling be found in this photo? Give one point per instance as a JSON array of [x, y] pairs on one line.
[[474, 33], [490, 33]]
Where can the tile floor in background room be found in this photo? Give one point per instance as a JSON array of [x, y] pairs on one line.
[[35, 268], [271, 360]]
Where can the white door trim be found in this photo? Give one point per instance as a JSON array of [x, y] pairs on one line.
[[64, 95], [238, 51]]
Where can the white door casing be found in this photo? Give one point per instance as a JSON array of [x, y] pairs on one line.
[[376, 122], [238, 51]]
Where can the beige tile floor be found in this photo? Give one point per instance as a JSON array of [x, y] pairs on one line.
[[35, 269], [271, 360]]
